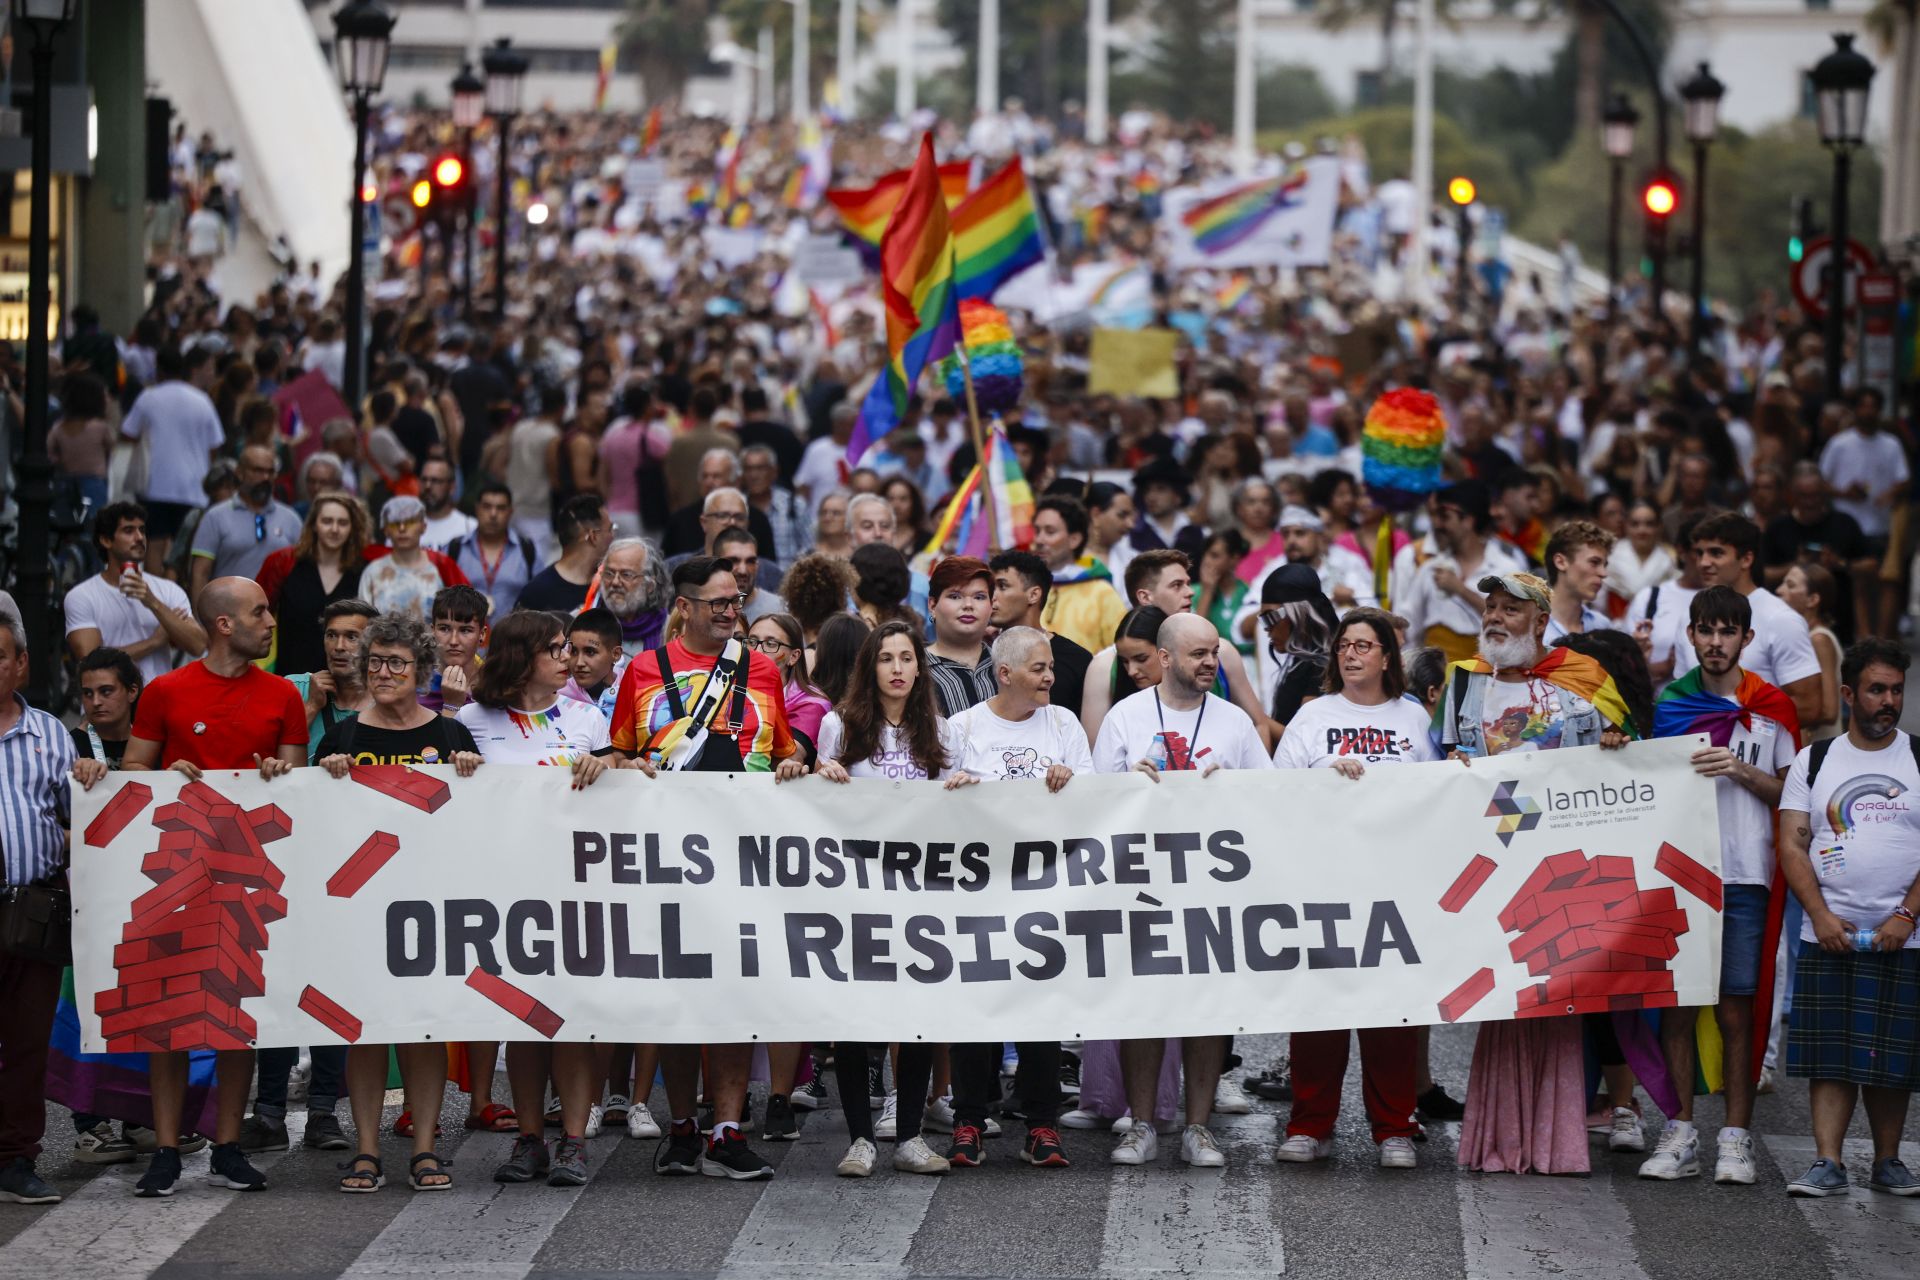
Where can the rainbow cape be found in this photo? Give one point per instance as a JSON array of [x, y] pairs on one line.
[[1085, 569], [115, 1085], [1564, 669], [996, 233], [923, 318], [865, 211]]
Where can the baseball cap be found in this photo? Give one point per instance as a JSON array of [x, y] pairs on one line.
[[1521, 586], [1301, 518]]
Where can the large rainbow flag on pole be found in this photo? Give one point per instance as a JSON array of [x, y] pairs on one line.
[[996, 233], [865, 210], [965, 527], [923, 315]]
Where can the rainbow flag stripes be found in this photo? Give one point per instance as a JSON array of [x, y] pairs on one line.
[[1230, 217], [991, 355], [996, 232], [864, 211], [1400, 448]]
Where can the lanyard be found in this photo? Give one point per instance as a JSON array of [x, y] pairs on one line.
[[99, 747], [1193, 743], [491, 571]]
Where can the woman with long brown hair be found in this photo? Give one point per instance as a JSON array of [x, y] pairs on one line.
[[324, 566]]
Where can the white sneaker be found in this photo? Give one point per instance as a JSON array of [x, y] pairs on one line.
[[1198, 1148], [1299, 1148], [1676, 1155], [640, 1122], [991, 1129], [1768, 1081], [596, 1116], [1626, 1133], [939, 1116], [1139, 1146], [915, 1156], [858, 1162], [883, 1128], [1735, 1162], [1229, 1099], [1397, 1153], [101, 1145], [1081, 1119], [552, 1113]]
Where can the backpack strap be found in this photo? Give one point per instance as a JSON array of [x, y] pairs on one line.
[[1653, 601], [1817, 754]]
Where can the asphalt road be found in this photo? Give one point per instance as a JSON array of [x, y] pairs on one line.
[[1344, 1219]]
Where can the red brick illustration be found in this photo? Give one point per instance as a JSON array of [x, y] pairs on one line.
[[190, 952], [127, 804], [421, 790], [1689, 875], [365, 863], [1466, 995], [516, 1002], [337, 1020], [1468, 883]]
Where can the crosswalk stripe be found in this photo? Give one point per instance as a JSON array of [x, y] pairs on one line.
[[105, 1232], [480, 1228], [809, 1224], [1867, 1232], [1168, 1219], [1523, 1227]]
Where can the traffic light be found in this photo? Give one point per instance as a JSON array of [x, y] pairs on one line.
[[1803, 229], [449, 175], [422, 193], [1461, 191], [1660, 197]]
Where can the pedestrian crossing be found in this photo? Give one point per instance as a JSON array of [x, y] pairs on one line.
[[1255, 1219]]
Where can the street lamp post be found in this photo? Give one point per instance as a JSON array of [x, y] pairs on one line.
[[506, 69], [1617, 124], [1840, 84], [1702, 94], [469, 108], [361, 34], [43, 20]]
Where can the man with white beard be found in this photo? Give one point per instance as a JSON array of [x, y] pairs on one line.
[[632, 586]]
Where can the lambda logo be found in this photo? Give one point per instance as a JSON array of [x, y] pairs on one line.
[[1515, 813]]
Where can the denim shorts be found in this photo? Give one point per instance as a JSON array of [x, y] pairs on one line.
[[1743, 921]]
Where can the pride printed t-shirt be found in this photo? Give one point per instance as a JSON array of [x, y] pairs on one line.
[[559, 735], [1863, 816], [643, 709]]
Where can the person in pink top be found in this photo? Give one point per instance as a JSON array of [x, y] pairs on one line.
[[778, 635], [634, 443]]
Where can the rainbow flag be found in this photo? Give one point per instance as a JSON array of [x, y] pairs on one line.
[[790, 193], [1686, 707], [1564, 669], [996, 233], [959, 515], [650, 132], [964, 526], [1230, 217], [1228, 295], [609, 57], [864, 211], [1093, 224], [730, 149], [1012, 495], [923, 316]]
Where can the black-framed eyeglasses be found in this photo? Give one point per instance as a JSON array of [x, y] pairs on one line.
[[259, 526], [719, 604], [560, 649], [768, 644], [386, 662]]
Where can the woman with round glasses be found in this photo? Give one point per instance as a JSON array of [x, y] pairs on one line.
[[396, 654], [1363, 718], [779, 637]]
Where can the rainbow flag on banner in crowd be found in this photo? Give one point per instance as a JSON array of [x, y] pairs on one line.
[[923, 316], [650, 132], [864, 211], [996, 233], [1228, 295], [609, 57], [1093, 224]]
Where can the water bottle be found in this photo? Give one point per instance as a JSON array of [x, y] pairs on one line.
[[1863, 939], [1157, 754]]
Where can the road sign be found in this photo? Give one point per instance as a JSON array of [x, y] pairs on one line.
[[1879, 308], [1810, 274]]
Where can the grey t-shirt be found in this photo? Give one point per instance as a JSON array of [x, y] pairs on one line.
[[238, 540]]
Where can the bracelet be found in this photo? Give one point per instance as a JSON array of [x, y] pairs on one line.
[[1904, 914]]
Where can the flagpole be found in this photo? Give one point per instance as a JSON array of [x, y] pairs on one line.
[[973, 421]]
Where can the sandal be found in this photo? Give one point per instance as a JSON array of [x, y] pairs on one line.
[[494, 1118], [403, 1125], [361, 1182], [417, 1178]]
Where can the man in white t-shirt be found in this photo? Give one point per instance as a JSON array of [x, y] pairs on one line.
[[1850, 848], [445, 522], [1753, 731], [1867, 467], [1723, 552], [1177, 725], [146, 617], [823, 467], [1016, 734], [182, 431]]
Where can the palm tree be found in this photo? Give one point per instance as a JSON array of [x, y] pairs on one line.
[[670, 38]]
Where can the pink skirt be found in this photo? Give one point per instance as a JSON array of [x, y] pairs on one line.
[[1527, 1099], [1104, 1092]]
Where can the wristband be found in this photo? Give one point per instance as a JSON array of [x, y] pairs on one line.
[[1904, 914]]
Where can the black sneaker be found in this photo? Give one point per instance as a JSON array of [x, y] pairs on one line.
[[876, 1088], [527, 1162], [780, 1125], [729, 1156], [163, 1170], [678, 1154], [1069, 1078], [812, 1095], [1043, 1148], [229, 1168], [1434, 1104], [324, 1132], [1275, 1085], [263, 1133], [964, 1151], [19, 1184]]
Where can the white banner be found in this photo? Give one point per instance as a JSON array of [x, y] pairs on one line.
[[1272, 220], [411, 904]]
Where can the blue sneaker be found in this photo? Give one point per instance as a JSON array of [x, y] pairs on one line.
[[1824, 1178], [1894, 1178]]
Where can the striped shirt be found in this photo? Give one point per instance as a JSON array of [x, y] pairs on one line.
[[36, 757], [959, 686]]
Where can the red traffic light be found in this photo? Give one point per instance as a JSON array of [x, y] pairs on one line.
[[1660, 197], [448, 171]]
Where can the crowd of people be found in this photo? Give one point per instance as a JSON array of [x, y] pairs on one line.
[[617, 527]]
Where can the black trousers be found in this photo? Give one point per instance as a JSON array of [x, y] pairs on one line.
[[1036, 1083], [850, 1065]]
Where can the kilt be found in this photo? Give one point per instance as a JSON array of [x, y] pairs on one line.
[[1856, 1017]]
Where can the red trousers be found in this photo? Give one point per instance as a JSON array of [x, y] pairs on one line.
[[1388, 1074], [28, 994]]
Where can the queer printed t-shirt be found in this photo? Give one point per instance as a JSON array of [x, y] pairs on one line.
[[559, 735], [432, 743], [1214, 733], [643, 708], [891, 758], [1864, 816], [1332, 728], [998, 750], [1746, 823], [220, 722]]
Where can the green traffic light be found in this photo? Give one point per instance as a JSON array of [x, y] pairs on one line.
[[1796, 249]]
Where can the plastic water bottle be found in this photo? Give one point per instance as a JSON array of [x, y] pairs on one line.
[[1863, 939], [1157, 754]]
